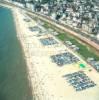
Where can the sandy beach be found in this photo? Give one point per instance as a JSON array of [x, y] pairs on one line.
[[45, 76]]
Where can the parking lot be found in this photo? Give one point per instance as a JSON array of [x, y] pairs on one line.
[[93, 63], [48, 41], [35, 28], [64, 58], [79, 80]]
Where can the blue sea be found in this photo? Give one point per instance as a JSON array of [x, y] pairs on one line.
[[14, 84]]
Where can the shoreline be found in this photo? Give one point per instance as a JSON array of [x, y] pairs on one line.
[[17, 26], [20, 37]]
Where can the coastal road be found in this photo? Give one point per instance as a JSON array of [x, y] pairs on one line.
[[59, 26]]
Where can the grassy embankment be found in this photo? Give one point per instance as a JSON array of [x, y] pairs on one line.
[[85, 50]]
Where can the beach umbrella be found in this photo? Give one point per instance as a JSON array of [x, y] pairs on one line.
[[82, 65]]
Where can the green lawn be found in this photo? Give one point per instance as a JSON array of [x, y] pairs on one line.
[[84, 51], [46, 25], [62, 37]]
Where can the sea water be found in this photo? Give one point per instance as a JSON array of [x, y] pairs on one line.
[[14, 84]]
